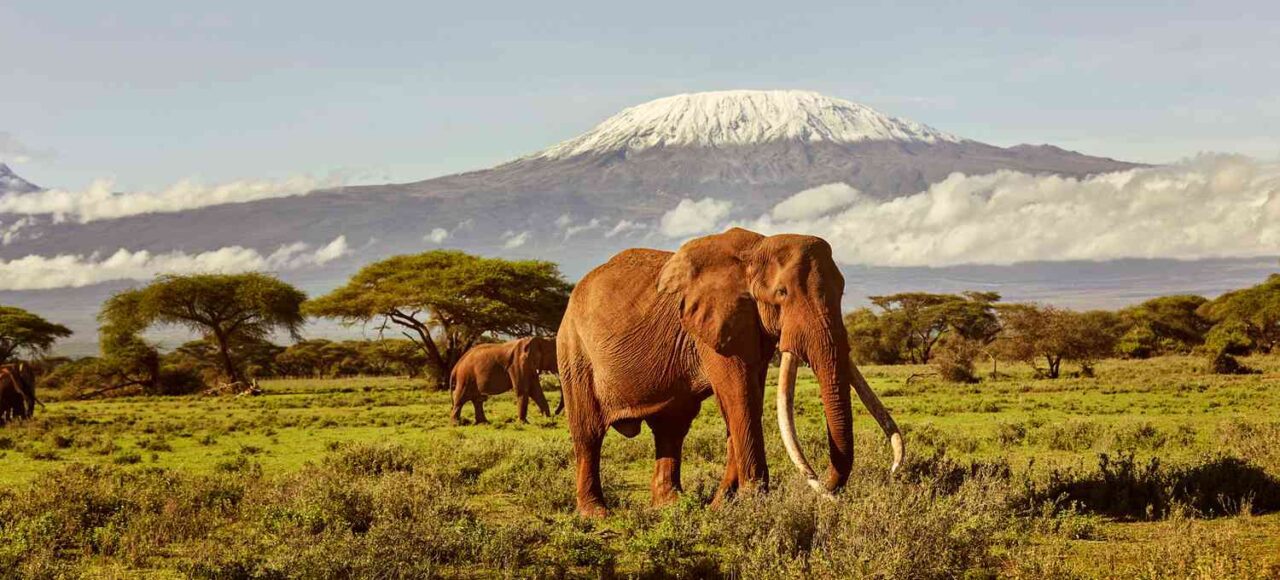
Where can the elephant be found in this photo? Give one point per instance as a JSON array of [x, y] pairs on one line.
[[17, 391], [651, 334], [490, 369]]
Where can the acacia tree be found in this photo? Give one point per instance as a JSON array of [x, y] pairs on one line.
[[227, 309], [1163, 325], [875, 339], [446, 301], [24, 332], [1032, 332], [923, 319]]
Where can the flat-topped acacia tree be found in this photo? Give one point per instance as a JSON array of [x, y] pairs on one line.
[[224, 308], [28, 333], [448, 300]]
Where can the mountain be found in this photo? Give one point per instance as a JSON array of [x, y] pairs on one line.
[[10, 182], [751, 148], [754, 148], [575, 202]]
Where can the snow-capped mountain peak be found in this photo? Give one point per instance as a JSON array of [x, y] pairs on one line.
[[735, 118]]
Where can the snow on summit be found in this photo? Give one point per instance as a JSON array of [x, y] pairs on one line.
[[728, 118]]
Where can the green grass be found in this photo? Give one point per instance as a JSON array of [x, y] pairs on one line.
[[316, 477]]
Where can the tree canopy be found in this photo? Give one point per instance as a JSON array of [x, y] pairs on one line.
[[1034, 332], [1245, 320], [447, 300], [27, 333], [1164, 325], [912, 323], [326, 358], [226, 309]]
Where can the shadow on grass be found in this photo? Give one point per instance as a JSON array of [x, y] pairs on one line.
[[1125, 488]]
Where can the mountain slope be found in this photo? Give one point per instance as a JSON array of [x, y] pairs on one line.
[[10, 182]]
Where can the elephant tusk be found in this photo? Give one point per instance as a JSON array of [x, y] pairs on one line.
[[787, 424], [881, 415]]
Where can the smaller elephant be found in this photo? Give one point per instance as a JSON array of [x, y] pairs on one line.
[[17, 392], [490, 369]]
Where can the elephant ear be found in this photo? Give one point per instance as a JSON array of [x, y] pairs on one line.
[[708, 275]]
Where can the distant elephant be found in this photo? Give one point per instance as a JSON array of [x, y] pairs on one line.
[[650, 334], [17, 391], [489, 369]]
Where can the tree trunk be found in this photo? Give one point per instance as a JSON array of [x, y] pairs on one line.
[[1055, 363], [228, 363], [434, 359]]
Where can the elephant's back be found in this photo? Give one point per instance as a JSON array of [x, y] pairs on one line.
[[621, 287]]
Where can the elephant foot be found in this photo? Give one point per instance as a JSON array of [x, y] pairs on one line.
[[664, 497], [592, 510]]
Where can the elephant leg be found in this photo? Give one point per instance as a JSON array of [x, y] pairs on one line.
[[477, 404], [522, 408], [459, 399], [728, 483], [560, 407], [587, 430], [586, 451], [741, 402], [668, 443]]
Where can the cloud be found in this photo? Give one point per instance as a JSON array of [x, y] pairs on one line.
[[623, 227], [566, 224], [74, 270], [815, 202], [99, 201], [694, 217], [514, 240], [1206, 207], [11, 233], [11, 149], [436, 236]]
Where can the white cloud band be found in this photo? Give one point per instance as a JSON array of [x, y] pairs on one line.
[[73, 271], [99, 201], [1206, 207]]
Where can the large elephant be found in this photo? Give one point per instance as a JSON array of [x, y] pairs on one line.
[[650, 334], [489, 369], [17, 391]]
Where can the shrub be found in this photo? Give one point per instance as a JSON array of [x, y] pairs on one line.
[[954, 360], [1223, 363], [372, 459], [1070, 435]]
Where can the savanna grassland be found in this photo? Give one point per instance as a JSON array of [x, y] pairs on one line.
[[1153, 469]]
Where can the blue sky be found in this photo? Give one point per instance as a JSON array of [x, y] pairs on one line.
[[152, 92]]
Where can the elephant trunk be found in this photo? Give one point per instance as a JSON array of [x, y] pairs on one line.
[[836, 374]]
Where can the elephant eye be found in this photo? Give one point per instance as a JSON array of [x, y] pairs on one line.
[[782, 292]]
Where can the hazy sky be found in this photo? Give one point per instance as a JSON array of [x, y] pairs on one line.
[[152, 92]]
